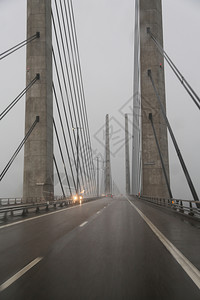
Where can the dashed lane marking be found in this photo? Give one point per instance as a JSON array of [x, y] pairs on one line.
[[83, 224]]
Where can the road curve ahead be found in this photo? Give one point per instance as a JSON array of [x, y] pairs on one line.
[[101, 250]]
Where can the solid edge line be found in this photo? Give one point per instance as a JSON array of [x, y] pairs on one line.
[[45, 215], [20, 274], [187, 266]]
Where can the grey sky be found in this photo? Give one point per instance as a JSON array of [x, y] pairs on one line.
[[105, 34]]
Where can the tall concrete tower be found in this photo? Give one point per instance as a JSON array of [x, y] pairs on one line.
[[38, 155], [107, 169], [127, 160], [153, 181]]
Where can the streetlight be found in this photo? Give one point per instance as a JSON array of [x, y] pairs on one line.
[[97, 159]]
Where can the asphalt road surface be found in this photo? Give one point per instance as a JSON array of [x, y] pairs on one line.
[[103, 249]]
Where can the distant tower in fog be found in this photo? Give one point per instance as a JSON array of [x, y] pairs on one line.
[[127, 160], [107, 165]]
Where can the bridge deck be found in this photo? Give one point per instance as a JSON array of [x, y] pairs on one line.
[[101, 250]]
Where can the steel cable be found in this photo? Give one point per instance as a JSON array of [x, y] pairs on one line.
[[176, 71], [64, 136], [74, 82], [16, 100], [18, 46], [61, 153], [65, 83], [57, 170], [79, 72], [5, 170], [76, 112], [188, 178]]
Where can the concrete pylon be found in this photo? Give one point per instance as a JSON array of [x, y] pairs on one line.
[[127, 159], [38, 154], [107, 169], [153, 181]]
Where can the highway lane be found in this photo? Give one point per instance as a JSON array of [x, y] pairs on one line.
[[21, 243], [108, 253]]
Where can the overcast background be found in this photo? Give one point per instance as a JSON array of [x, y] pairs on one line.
[[105, 34]]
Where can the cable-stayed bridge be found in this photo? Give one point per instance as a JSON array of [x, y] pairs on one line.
[[91, 242]]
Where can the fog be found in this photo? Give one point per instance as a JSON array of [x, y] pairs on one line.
[[105, 34]]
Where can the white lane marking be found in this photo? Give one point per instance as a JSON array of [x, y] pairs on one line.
[[83, 224], [45, 215], [20, 274], [187, 266]]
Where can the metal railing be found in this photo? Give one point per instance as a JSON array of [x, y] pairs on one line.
[[10, 201], [10, 207], [187, 207], [31, 200]]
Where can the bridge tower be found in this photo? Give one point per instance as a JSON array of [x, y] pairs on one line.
[[127, 160], [107, 169], [38, 153], [153, 181]]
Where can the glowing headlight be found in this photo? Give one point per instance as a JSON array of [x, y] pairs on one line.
[[75, 198]]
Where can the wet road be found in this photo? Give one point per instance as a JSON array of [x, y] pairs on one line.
[[100, 250]]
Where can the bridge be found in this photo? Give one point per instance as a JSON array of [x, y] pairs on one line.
[[84, 224]]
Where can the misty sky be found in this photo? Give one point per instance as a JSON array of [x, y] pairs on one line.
[[105, 35]]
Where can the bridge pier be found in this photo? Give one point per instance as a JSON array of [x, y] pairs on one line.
[[127, 160], [153, 180], [107, 169], [38, 153]]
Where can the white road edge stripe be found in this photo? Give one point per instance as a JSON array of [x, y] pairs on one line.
[[187, 266], [83, 224], [20, 274]]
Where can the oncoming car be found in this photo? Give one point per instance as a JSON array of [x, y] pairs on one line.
[[78, 198]]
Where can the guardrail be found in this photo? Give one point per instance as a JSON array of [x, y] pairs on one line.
[[16, 201], [14, 205], [10, 201], [187, 207]]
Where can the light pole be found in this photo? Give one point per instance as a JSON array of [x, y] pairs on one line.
[[98, 161], [97, 176]]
